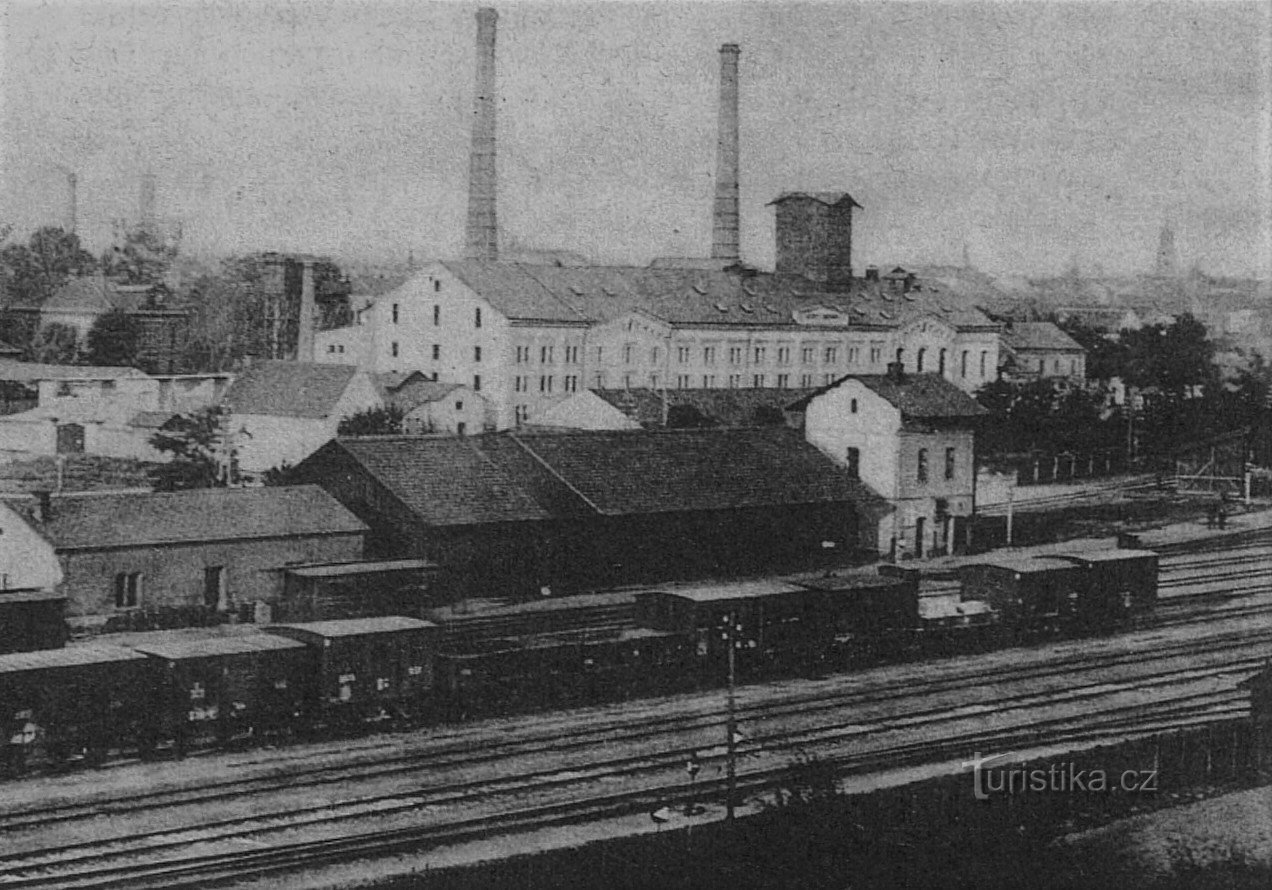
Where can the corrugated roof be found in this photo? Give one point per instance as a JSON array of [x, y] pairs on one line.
[[70, 657], [352, 627], [1039, 335], [444, 481], [695, 297], [289, 389], [136, 519]]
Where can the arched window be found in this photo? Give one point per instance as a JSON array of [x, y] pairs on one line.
[[922, 475], [964, 367], [854, 462], [918, 362], [940, 367]]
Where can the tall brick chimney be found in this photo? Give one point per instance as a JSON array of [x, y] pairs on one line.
[[482, 242], [305, 328], [724, 230]]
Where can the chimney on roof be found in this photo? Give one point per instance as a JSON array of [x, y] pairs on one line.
[[725, 239], [482, 242]]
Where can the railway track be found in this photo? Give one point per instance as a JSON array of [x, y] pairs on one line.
[[99, 866]]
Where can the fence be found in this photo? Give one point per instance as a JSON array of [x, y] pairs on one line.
[[1040, 468]]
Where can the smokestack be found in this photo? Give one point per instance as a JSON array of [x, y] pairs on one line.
[[146, 201], [72, 201], [724, 231], [483, 232], [305, 332]]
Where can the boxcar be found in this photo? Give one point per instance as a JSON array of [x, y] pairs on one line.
[[775, 623], [368, 668], [32, 619], [214, 688], [1034, 596], [1117, 585], [62, 704], [873, 613]]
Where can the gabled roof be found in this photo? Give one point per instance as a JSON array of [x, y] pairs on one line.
[[1039, 335], [509, 477], [726, 407], [421, 392], [916, 396], [830, 199], [443, 481], [138, 519], [592, 295], [290, 389], [392, 380]]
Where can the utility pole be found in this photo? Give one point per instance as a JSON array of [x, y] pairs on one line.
[[732, 723]]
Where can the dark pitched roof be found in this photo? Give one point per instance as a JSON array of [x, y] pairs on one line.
[[414, 393], [1039, 335], [137, 519], [444, 481], [830, 199], [392, 380], [508, 477], [289, 389], [619, 473], [917, 396], [702, 298], [727, 407]]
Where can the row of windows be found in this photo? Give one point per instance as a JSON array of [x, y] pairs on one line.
[[854, 463], [547, 383], [129, 589], [708, 381], [437, 311], [547, 354]]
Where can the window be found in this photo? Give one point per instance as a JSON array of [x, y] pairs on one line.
[[708, 355], [476, 353], [461, 428], [627, 353], [543, 382], [735, 380], [783, 355], [949, 463], [599, 381], [922, 474], [918, 361], [109, 385], [854, 463], [653, 356], [854, 355], [459, 406], [759, 355], [520, 413], [735, 355], [682, 381], [627, 381], [331, 348], [437, 311], [600, 352], [940, 364], [805, 381], [477, 317], [852, 407], [545, 355], [519, 384], [757, 381], [876, 353], [571, 355], [828, 379], [127, 590], [806, 355], [783, 381], [682, 354], [963, 364], [437, 351], [393, 348], [395, 313], [983, 361], [708, 381], [1073, 367], [437, 287], [523, 354], [476, 383], [831, 355], [572, 383], [214, 588], [653, 381]]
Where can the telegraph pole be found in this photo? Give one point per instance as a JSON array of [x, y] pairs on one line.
[[732, 723]]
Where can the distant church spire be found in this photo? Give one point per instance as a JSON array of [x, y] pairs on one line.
[[1167, 257]]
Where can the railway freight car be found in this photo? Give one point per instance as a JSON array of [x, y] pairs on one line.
[[60, 705], [217, 688], [1033, 597], [368, 669], [873, 614], [1116, 586]]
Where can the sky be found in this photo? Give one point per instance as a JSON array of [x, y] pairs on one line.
[[1034, 133]]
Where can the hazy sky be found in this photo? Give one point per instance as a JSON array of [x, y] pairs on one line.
[[1031, 131]]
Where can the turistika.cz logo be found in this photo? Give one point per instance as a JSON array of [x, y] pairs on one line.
[[993, 774]]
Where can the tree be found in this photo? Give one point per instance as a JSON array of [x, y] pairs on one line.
[[386, 421], [34, 271], [1105, 354], [140, 255], [196, 443], [54, 344], [113, 340]]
